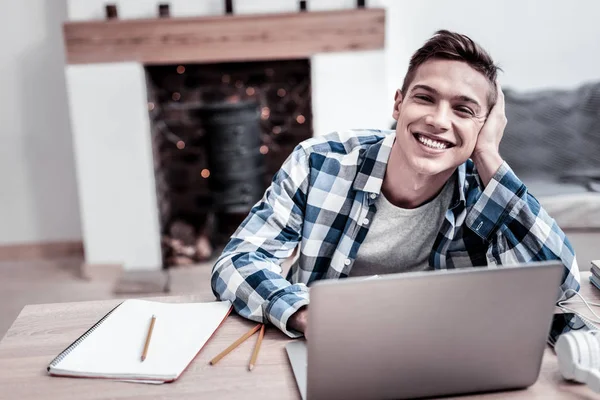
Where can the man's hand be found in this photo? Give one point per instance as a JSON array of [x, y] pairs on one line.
[[486, 154], [298, 320]]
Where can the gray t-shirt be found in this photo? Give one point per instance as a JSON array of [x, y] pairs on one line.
[[399, 239]]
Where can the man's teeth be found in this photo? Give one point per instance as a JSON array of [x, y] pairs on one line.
[[432, 143]]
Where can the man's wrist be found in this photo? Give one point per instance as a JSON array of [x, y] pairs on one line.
[[487, 164], [297, 321]]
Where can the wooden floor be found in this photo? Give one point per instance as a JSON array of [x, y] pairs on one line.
[[57, 281]]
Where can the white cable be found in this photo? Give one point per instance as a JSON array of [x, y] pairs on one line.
[[561, 305]]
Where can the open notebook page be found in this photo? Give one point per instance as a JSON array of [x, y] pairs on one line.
[[114, 348]]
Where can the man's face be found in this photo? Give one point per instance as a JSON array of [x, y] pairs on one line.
[[440, 116]]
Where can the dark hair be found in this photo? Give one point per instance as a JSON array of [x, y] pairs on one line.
[[448, 45]]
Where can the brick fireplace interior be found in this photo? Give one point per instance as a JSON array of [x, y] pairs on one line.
[[190, 183]]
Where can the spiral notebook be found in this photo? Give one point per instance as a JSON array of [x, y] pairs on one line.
[[112, 348]]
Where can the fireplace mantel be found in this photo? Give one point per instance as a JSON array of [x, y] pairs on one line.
[[225, 38]]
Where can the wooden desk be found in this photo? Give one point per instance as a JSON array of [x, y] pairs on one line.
[[42, 331]]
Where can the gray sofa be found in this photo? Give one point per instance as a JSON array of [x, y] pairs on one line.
[[552, 142]]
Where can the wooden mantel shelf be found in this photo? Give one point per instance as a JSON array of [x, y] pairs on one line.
[[224, 38]]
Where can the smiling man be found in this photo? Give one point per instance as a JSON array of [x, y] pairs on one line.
[[434, 194]]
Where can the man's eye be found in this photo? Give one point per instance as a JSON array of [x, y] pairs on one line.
[[422, 97], [465, 110]]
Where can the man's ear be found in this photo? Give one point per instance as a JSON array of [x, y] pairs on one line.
[[397, 101]]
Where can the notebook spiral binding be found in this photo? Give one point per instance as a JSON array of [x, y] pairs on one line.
[[80, 339]]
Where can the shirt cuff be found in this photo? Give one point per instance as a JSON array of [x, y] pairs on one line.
[[499, 198], [283, 307]]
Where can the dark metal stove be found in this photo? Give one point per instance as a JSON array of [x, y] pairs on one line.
[[236, 165]]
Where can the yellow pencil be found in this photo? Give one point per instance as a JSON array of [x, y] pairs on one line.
[[235, 344], [256, 348], [150, 329]]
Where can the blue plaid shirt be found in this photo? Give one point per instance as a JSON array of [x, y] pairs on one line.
[[321, 199]]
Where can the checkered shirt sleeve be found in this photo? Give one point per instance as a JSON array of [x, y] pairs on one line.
[[520, 230], [248, 273]]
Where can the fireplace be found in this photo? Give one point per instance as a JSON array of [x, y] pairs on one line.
[[137, 88], [219, 134]]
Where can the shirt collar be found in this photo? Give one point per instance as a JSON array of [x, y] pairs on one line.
[[459, 196], [372, 171]]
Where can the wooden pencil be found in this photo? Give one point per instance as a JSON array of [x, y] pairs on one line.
[[235, 344], [256, 348], [148, 337]]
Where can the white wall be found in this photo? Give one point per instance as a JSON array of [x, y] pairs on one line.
[[538, 43], [38, 197], [94, 9]]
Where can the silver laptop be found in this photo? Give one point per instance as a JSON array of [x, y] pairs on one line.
[[427, 333]]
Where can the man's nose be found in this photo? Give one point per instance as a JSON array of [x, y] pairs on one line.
[[439, 118]]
